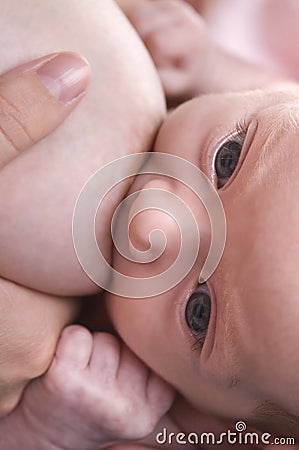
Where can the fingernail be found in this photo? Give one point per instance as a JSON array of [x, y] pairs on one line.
[[66, 76]]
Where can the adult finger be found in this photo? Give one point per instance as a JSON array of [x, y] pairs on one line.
[[36, 97]]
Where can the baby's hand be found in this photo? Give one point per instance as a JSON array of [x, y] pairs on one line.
[[177, 40], [189, 62], [96, 392]]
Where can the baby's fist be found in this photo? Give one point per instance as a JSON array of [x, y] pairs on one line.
[[96, 392], [176, 38]]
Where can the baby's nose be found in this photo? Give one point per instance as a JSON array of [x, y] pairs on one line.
[[169, 225]]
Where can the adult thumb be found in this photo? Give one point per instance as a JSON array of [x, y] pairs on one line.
[[36, 97]]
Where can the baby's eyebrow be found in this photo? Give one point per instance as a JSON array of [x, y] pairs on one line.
[[272, 126]]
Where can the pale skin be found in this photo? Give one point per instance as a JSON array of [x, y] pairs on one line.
[[33, 321], [86, 374], [87, 142], [220, 378], [96, 392], [183, 75], [266, 30], [120, 375], [246, 364], [94, 365], [260, 32], [30, 321]]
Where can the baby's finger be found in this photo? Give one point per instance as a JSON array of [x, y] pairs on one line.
[[105, 356], [74, 348], [36, 97], [160, 394], [147, 16]]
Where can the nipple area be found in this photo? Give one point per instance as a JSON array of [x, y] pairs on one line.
[[153, 230]]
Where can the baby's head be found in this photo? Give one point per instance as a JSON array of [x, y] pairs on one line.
[[228, 345]]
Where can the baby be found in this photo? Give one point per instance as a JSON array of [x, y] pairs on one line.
[[230, 343], [209, 335]]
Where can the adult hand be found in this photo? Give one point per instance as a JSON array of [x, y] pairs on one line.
[[34, 99]]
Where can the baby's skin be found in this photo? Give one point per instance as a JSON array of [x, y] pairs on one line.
[[239, 34], [96, 392], [246, 28], [180, 44], [230, 343]]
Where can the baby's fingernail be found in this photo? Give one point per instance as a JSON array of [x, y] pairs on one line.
[[66, 76]]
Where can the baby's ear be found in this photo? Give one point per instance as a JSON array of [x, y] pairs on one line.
[[36, 97]]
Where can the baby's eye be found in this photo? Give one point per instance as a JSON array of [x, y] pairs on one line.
[[228, 156], [197, 313]]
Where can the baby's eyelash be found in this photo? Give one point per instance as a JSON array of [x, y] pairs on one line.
[[239, 131], [197, 344], [236, 135]]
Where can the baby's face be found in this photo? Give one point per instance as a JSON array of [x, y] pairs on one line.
[[231, 345]]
